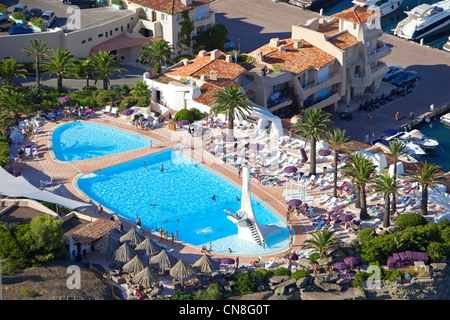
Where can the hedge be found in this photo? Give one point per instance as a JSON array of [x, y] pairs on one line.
[[410, 220]]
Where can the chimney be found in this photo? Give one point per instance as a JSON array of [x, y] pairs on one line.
[[282, 48], [204, 77], [185, 62], [213, 75], [187, 3], [214, 54], [202, 53], [259, 56], [274, 42], [229, 58], [298, 44]]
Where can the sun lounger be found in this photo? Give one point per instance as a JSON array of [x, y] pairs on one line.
[[113, 112], [107, 110]]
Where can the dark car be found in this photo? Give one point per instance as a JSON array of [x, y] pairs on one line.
[[6, 23], [21, 7], [34, 13], [405, 77], [18, 29], [392, 73], [81, 3]]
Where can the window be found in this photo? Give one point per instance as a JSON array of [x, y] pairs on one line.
[[200, 12], [110, 32], [121, 28], [128, 26], [83, 42], [90, 39], [100, 35], [116, 29], [354, 26], [368, 44], [106, 34]]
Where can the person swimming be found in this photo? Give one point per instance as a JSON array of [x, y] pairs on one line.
[[144, 164], [161, 168], [213, 197], [237, 198]]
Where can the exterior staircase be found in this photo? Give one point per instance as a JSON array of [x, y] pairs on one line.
[[253, 231]]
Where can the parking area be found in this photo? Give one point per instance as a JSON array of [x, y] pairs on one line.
[[87, 16]]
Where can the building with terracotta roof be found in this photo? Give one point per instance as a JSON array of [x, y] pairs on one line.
[[193, 83], [161, 18], [352, 37]]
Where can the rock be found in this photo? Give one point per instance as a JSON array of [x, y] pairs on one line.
[[303, 282], [344, 281], [282, 288], [253, 296], [305, 264], [326, 286], [350, 294], [439, 267], [276, 279], [324, 261]]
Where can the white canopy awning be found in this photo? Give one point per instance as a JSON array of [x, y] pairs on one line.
[[19, 187]]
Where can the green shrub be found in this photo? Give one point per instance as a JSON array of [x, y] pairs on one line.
[[437, 250], [365, 234], [282, 271], [359, 278], [244, 283], [4, 152], [392, 275], [28, 293], [19, 15], [300, 274], [259, 274], [314, 256], [197, 114], [185, 114], [180, 295], [212, 293], [410, 220]]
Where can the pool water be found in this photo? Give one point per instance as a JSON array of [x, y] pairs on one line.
[[182, 197], [76, 141]]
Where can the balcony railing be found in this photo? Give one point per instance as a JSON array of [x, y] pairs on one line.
[[204, 17], [377, 68], [319, 82], [382, 48], [359, 75]]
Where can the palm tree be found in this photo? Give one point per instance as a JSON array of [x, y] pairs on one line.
[[387, 185], [59, 63], [15, 103], [83, 69], [141, 91], [5, 120], [105, 65], [38, 50], [336, 140], [234, 101], [313, 126], [396, 149], [10, 68], [322, 241], [428, 176], [157, 51], [359, 169]]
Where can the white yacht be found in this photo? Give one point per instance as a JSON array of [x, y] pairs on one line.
[[446, 46], [384, 6], [419, 138], [411, 147], [445, 119], [424, 20]]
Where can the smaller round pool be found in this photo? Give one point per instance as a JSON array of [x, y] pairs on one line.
[[76, 141]]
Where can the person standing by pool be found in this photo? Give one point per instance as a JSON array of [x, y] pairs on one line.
[[176, 235], [138, 221], [237, 262], [210, 247]]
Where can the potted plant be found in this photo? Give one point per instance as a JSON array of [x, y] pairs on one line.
[[3, 9], [20, 17], [38, 24], [116, 4]]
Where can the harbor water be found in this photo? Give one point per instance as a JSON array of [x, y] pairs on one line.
[[390, 21], [441, 154]]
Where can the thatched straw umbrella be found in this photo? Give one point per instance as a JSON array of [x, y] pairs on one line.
[[135, 265], [132, 237], [145, 277], [163, 260], [125, 253], [182, 270], [148, 248], [107, 245], [206, 264]]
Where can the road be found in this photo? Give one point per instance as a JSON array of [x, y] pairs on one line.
[[257, 21]]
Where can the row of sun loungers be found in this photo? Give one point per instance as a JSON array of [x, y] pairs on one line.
[[407, 258]]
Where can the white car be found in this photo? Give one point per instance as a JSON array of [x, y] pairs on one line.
[[49, 17]]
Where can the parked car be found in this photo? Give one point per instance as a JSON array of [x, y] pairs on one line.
[[405, 77], [49, 17], [18, 29], [34, 13], [81, 3], [229, 45], [21, 7], [393, 72], [6, 23]]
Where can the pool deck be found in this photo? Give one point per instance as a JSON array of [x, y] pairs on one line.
[[64, 174]]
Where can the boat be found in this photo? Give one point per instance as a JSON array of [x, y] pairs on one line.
[[446, 46], [424, 20], [393, 134], [419, 138], [384, 144], [445, 119], [383, 6]]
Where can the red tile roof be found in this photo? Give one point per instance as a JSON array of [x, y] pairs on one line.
[[357, 14], [204, 65], [94, 230], [293, 59], [344, 40], [208, 90], [169, 6]]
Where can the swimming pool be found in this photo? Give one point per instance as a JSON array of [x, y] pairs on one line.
[[182, 197], [76, 141]]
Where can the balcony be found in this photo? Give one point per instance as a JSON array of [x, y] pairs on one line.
[[319, 85], [208, 18], [379, 53], [323, 102], [276, 98]]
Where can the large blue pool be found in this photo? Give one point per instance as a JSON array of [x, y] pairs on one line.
[[75, 141], [182, 197]]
